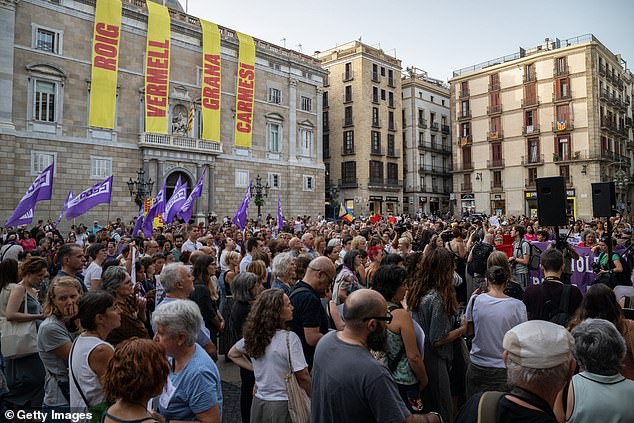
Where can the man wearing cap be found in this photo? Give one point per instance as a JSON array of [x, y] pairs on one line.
[[538, 358]]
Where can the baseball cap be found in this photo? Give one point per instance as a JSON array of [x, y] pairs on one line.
[[538, 344]]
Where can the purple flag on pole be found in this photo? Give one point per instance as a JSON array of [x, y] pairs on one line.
[[186, 210], [280, 217], [97, 194], [240, 218], [139, 222], [25, 219], [61, 213], [157, 208], [40, 189], [175, 202]]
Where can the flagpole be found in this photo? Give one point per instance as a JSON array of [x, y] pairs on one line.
[[50, 206], [108, 218]]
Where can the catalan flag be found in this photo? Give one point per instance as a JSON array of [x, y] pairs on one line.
[[345, 214], [190, 117]]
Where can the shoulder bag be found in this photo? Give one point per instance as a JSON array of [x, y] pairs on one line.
[[298, 399], [97, 410], [19, 339]]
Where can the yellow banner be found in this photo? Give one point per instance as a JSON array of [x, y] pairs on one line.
[[245, 91], [157, 68], [210, 100], [105, 64]]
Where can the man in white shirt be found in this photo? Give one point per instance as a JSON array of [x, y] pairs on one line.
[[192, 243]]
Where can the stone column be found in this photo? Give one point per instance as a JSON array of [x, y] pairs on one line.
[[319, 142], [292, 120], [211, 177], [7, 45]]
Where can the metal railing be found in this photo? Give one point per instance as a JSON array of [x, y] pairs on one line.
[[179, 142]]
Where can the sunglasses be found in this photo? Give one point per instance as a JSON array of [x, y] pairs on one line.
[[387, 318]]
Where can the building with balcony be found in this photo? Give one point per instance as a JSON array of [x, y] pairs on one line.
[[362, 129], [426, 143], [45, 74], [562, 108]]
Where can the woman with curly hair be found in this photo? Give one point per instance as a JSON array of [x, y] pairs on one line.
[[600, 303], [432, 300], [136, 372], [265, 349]]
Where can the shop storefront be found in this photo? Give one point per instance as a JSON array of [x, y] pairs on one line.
[[467, 204], [376, 204], [391, 205]]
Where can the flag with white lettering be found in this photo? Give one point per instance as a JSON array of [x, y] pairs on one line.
[[40, 189], [157, 208], [61, 213], [280, 216], [240, 218], [186, 210], [99, 193], [138, 223], [25, 219], [175, 202]]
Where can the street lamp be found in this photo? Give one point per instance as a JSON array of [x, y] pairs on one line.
[[261, 191], [141, 188], [621, 181]]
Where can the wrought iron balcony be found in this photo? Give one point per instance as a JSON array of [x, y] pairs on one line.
[[495, 163], [529, 130], [563, 126], [494, 109], [179, 143], [495, 135], [529, 160]]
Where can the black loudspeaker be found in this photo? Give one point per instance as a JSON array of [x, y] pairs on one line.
[[551, 201], [603, 199]]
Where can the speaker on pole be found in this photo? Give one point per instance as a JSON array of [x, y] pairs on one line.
[[551, 201], [603, 199]]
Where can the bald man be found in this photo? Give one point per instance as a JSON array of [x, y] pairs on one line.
[[343, 363], [310, 321]]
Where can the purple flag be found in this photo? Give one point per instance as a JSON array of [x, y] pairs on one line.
[[40, 189], [280, 217], [240, 218], [25, 219], [61, 213], [175, 202], [96, 194], [186, 210], [157, 208], [139, 222]]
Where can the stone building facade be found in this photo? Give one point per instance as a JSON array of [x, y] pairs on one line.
[[426, 144], [562, 108], [363, 129], [45, 56]]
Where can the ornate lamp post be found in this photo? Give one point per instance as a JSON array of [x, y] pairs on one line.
[[622, 181], [141, 188], [261, 192]]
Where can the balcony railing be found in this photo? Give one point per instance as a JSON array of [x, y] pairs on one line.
[[496, 185], [495, 135], [530, 130], [628, 122], [464, 166], [494, 109], [346, 151], [464, 93], [604, 95], [434, 126], [530, 183], [349, 183], [466, 140], [560, 70], [422, 123], [563, 126], [445, 129], [464, 115], [530, 102], [562, 96], [602, 70], [494, 86], [466, 187], [393, 183], [347, 76], [179, 143], [375, 181], [537, 159], [495, 163], [529, 77], [567, 156]]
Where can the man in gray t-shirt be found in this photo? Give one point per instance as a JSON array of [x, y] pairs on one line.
[[53, 342], [521, 256]]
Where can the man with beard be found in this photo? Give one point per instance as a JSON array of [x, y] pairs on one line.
[[348, 383]]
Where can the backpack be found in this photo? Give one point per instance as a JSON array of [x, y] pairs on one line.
[[620, 278], [560, 315], [479, 255], [534, 255]]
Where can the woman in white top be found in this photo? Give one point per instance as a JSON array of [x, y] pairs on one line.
[[268, 344], [490, 315], [90, 353], [92, 275]]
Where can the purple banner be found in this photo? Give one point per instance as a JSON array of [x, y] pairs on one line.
[[240, 218], [40, 189], [97, 194], [25, 219], [175, 202], [186, 210], [65, 207], [280, 217], [157, 208], [138, 223]]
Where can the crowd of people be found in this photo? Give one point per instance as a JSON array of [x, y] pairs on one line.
[[387, 320]]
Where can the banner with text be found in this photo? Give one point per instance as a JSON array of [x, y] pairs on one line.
[[99, 193], [105, 64], [245, 91], [210, 100], [157, 69]]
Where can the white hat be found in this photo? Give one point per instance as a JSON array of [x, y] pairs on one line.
[[538, 344]]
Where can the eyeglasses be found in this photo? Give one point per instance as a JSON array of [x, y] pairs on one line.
[[387, 318]]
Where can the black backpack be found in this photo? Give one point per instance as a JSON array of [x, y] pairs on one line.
[[620, 278], [561, 314], [534, 256], [479, 255]]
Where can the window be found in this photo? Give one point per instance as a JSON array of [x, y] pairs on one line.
[[562, 147], [383, 95], [275, 96], [431, 98], [100, 167], [347, 116], [496, 152], [533, 150], [375, 94], [391, 149], [529, 72], [421, 117], [530, 94], [242, 178], [348, 71], [324, 100], [306, 138], [532, 175], [530, 121], [309, 183], [49, 40], [433, 141], [375, 72], [348, 171], [563, 114], [325, 145], [562, 88], [465, 129], [496, 125], [376, 142], [274, 180], [376, 171], [497, 178], [494, 82], [44, 102], [325, 121], [274, 131], [375, 117], [348, 142], [382, 71], [390, 99], [347, 94], [307, 104], [392, 172], [390, 120], [561, 65], [40, 160], [565, 172], [432, 117]]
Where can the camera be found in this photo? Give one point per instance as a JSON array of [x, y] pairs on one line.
[[446, 236]]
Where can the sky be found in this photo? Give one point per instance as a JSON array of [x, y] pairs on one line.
[[438, 37]]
